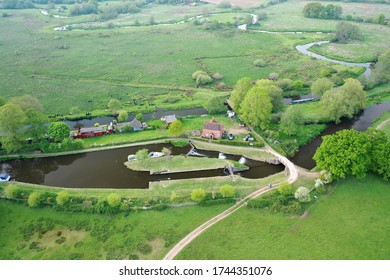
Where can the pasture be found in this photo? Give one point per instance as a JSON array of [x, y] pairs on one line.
[[350, 222], [155, 62]]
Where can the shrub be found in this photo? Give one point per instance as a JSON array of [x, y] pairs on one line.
[[217, 76], [259, 63], [11, 191], [285, 189], [303, 194], [273, 76], [122, 117], [203, 79], [198, 195], [226, 191], [259, 203], [62, 198], [35, 200], [114, 200], [198, 73], [216, 201]]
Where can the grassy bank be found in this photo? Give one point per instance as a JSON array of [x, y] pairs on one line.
[[179, 164], [164, 189], [351, 223], [44, 234]]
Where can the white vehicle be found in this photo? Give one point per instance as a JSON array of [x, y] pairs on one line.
[[155, 154], [4, 177]]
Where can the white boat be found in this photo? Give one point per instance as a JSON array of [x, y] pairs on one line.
[[221, 156], [132, 158], [4, 177], [155, 154]]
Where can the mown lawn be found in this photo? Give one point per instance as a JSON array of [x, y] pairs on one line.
[[350, 223], [45, 234]]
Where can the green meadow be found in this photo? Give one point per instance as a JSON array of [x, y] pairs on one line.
[[351, 221], [155, 62]]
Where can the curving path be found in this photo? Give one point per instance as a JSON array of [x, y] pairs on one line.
[[194, 234]]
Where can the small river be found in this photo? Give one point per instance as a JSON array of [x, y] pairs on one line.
[[106, 169]]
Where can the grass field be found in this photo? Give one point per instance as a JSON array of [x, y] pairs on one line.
[[288, 16], [154, 62], [45, 234], [350, 223]]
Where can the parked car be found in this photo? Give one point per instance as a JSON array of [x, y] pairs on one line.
[[231, 136], [4, 177]]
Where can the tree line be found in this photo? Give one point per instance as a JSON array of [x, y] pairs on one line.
[[317, 10]]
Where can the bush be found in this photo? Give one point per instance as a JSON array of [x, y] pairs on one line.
[[198, 73], [114, 200], [11, 191], [303, 194], [35, 200], [217, 76], [217, 201], [122, 117], [259, 63], [293, 208], [62, 198], [226, 191], [259, 203], [273, 76], [198, 195], [285, 189]]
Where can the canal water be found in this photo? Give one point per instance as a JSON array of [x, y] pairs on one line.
[[106, 169]]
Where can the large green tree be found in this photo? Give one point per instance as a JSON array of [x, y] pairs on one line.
[[346, 31], [291, 120], [36, 124], [216, 105], [58, 131], [256, 109], [380, 152], [240, 90], [320, 86], [345, 153], [381, 72], [12, 121], [354, 96], [275, 92], [345, 101]]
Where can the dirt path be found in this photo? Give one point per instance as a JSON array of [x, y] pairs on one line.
[[194, 234], [382, 124]]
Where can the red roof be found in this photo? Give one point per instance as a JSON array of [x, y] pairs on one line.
[[213, 125]]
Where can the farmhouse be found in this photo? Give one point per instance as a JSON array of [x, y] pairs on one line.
[[169, 119], [135, 124], [212, 129], [88, 132]]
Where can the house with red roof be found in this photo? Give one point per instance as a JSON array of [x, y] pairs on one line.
[[212, 129]]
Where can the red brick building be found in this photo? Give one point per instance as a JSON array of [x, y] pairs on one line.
[[212, 130]]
